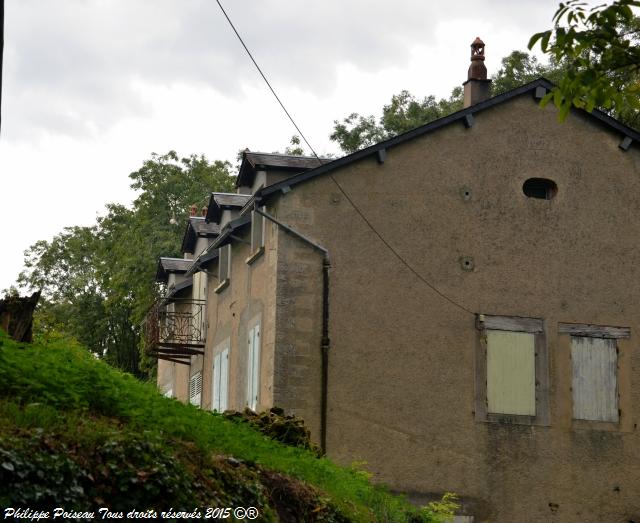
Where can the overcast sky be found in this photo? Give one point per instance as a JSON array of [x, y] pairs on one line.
[[92, 87]]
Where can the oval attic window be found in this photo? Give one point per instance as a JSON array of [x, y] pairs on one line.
[[541, 188]]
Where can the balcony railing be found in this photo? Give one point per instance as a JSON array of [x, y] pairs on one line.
[[175, 330]]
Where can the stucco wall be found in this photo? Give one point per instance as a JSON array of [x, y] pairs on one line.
[[402, 375], [232, 312], [298, 370]]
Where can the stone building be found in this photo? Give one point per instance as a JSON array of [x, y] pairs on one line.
[[455, 306]]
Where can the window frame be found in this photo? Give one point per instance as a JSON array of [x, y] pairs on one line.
[[224, 267], [258, 225], [220, 383], [533, 326], [254, 346], [581, 330]]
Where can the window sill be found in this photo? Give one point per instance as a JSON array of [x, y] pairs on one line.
[[587, 424], [222, 286], [512, 419], [255, 256]]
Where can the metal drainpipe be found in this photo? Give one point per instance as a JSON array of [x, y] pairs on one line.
[[325, 343]]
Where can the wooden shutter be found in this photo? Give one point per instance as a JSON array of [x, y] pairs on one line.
[[594, 378], [195, 389], [253, 367], [511, 373]]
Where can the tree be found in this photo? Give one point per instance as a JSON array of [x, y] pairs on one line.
[[98, 282], [600, 51], [519, 68], [406, 112], [294, 148]]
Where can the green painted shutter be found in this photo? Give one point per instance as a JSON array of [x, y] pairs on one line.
[[511, 373]]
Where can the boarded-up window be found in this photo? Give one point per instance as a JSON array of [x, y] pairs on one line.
[[257, 231], [195, 389], [224, 263], [511, 373], [594, 378], [221, 381], [253, 367]]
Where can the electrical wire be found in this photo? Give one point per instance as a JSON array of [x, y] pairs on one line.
[[340, 188], [265, 79]]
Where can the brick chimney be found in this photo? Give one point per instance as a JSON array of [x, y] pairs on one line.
[[194, 210], [476, 88]]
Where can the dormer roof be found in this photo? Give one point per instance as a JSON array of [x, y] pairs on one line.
[[167, 266], [224, 201], [253, 162], [198, 227]]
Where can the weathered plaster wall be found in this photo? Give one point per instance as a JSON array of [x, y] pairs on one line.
[[298, 363], [402, 375], [231, 313]]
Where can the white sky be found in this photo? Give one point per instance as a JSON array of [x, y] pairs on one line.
[[92, 87]]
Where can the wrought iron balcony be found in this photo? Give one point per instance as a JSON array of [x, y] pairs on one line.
[[174, 330]]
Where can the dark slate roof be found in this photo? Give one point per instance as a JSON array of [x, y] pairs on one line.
[[211, 253], [169, 265], [197, 226], [220, 201], [251, 162], [465, 115]]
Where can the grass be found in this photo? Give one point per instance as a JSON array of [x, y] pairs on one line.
[[56, 387]]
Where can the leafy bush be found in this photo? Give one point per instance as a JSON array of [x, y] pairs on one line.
[[75, 430]]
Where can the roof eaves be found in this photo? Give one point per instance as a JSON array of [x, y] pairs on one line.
[[433, 126], [229, 229], [179, 287]]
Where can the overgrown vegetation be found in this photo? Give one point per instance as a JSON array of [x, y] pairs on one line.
[[76, 433]]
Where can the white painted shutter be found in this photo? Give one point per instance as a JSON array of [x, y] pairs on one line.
[[224, 380], [216, 382], [511, 373], [594, 378], [253, 368], [195, 389]]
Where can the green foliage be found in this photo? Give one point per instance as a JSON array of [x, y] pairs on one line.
[[445, 508], [406, 112], [93, 416], [601, 52], [519, 68], [294, 149], [98, 281]]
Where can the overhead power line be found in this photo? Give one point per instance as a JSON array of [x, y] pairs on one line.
[[340, 188], [265, 79]]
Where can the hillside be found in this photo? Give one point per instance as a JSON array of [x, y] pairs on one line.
[[80, 435]]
